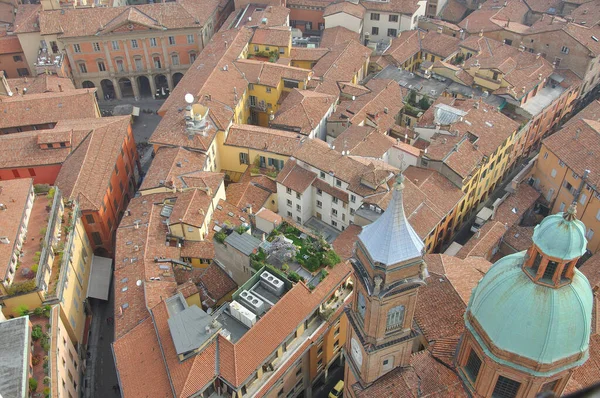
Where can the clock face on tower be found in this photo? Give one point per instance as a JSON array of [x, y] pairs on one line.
[[356, 351]]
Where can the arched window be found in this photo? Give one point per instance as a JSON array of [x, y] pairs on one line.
[[156, 61], [362, 306], [193, 56], [395, 318], [175, 59]]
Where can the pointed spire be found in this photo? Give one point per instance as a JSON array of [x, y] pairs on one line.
[[391, 239]]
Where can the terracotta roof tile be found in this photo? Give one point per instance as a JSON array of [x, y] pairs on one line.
[[7, 13], [403, 47], [45, 108], [26, 20], [363, 141], [205, 78], [303, 111], [439, 44], [270, 74], [425, 377], [377, 108], [272, 36], [264, 139], [482, 244], [136, 350], [579, 153], [40, 84], [307, 54], [344, 243], [331, 37], [23, 149], [86, 174], [453, 11], [295, 177], [10, 45], [408, 7], [215, 284], [587, 374], [482, 18], [518, 237], [341, 64], [440, 310], [346, 7], [250, 191], [78, 22], [191, 208], [442, 193], [170, 165]]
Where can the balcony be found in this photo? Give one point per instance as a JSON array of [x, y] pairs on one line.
[[50, 62]]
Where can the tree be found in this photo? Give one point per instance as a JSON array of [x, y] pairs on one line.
[[22, 310], [331, 258], [37, 333], [424, 103], [412, 98], [220, 236], [33, 384]]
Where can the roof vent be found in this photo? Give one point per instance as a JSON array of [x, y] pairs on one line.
[[3, 206], [4, 239]]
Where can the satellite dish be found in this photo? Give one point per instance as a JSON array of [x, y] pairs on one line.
[[139, 282], [189, 98]]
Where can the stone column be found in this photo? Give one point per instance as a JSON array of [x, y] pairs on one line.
[[169, 82], [146, 56], [152, 85], [134, 86], [117, 88], [164, 41]]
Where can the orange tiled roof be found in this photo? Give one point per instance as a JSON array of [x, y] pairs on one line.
[[270, 74], [272, 37], [331, 37], [44, 108], [10, 45], [26, 20], [40, 84], [579, 154], [79, 22], [170, 165], [205, 80], [263, 138], [346, 7], [86, 174], [344, 243], [303, 111], [363, 141], [295, 177], [250, 191], [307, 54], [139, 349]]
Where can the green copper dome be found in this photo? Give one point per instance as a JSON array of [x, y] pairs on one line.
[[561, 235], [538, 322]]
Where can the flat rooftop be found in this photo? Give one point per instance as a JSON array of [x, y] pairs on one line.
[[14, 356], [264, 289], [543, 98]]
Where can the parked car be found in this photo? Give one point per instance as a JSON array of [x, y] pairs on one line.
[[337, 390]]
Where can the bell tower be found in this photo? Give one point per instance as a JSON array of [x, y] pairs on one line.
[[388, 270]]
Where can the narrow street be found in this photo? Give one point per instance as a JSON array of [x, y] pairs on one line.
[[101, 375]]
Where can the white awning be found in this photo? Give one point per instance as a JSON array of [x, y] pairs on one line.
[[100, 276]]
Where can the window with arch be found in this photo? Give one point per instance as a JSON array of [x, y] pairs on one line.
[[156, 61], [120, 65], [82, 67], [362, 306], [175, 59], [193, 56], [101, 65], [139, 65], [395, 318]]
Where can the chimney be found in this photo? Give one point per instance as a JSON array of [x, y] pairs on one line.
[[476, 105], [577, 133], [226, 43], [537, 56], [481, 33], [60, 88], [552, 20], [521, 48], [539, 76], [440, 30]]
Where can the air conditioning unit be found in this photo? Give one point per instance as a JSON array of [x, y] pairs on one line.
[[252, 302], [272, 283], [242, 314]]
